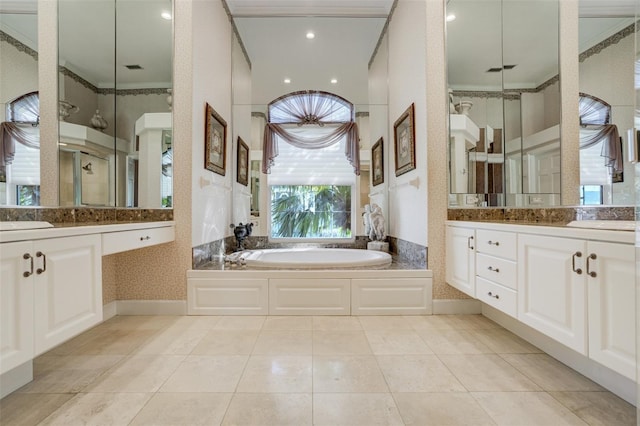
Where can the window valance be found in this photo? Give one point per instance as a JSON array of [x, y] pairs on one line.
[[309, 108], [595, 116]]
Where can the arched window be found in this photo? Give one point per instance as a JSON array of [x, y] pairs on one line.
[[312, 182], [20, 151]]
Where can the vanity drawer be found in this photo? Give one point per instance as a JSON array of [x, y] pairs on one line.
[[501, 298], [115, 242], [498, 270], [496, 243]]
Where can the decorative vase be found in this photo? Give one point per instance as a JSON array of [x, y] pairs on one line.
[[464, 107], [65, 109], [97, 122]]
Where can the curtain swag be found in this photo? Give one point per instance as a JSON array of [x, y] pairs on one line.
[[10, 133], [310, 108], [595, 128]]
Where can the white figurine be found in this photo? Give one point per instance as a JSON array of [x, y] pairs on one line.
[[366, 219], [376, 219]]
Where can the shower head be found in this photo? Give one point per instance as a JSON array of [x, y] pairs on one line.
[[87, 168]]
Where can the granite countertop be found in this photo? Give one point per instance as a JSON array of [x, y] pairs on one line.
[[219, 265]]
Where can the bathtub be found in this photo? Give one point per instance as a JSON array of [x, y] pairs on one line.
[[315, 258]]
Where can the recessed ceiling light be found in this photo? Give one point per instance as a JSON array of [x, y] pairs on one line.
[[166, 15], [311, 35], [334, 81], [287, 80], [451, 17]]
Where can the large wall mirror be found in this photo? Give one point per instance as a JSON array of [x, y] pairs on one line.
[[504, 90], [336, 60], [115, 80], [607, 55], [19, 107]]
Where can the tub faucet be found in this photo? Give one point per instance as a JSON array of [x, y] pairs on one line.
[[241, 232]]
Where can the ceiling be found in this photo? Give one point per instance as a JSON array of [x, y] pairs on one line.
[[273, 32]]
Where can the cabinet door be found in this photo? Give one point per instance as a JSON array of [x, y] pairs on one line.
[[460, 253], [16, 306], [68, 288], [612, 332], [551, 295]]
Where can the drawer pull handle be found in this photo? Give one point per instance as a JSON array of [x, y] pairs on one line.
[[494, 270], [27, 256], [491, 243], [469, 242], [497, 296], [44, 262], [145, 238], [589, 272], [573, 262]]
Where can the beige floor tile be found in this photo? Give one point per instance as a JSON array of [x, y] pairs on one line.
[[598, 408], [384, 323], [245, 409], [62, 381], [193, 409], [288, 323], [336, 323], [550, 374], [48, 363], [347, 373], [503, 341], [116, 342], [199, 322], [337, 342], [440, 409], [487, 372], [418, 373], [199, 373], [431, 322], [140, 322], [472, 322], [525, 409], [334, 409], [240, 323], [19, 409], [453, 342], [73, 345], [277, 374], [138, 373], [103, 409], [227, 342], [284, 342], [172, 342], [395, 342]]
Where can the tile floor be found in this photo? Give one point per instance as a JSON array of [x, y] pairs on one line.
[[429, 370]]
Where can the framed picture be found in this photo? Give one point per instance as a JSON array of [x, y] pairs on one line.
[[377, 163], [404, 136], [215, 142], [242, 169]]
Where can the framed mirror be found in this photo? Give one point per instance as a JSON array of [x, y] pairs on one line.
[[19, 105], [115, 80], [503, 77]]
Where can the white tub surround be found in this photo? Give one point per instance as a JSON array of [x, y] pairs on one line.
[[573, 285], [51, 284], [309, 292]]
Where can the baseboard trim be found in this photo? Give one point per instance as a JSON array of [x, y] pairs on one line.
[[609, 379], [151, 307], [456, 306], [16, 378], [109, 310]]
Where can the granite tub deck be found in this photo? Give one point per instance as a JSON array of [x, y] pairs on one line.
[[400, 288]]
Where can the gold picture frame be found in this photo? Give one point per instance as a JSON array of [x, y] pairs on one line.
[[404, 136], [242, 163], [377, 163], [215, 142]]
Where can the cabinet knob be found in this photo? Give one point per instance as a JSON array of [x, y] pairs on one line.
[[491, 268], [145, 238], [495, 296], [491, 243]]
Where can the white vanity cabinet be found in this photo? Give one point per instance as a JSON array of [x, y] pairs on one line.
[[610, 281], [60, 279], [461, 259], [551, 288]]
